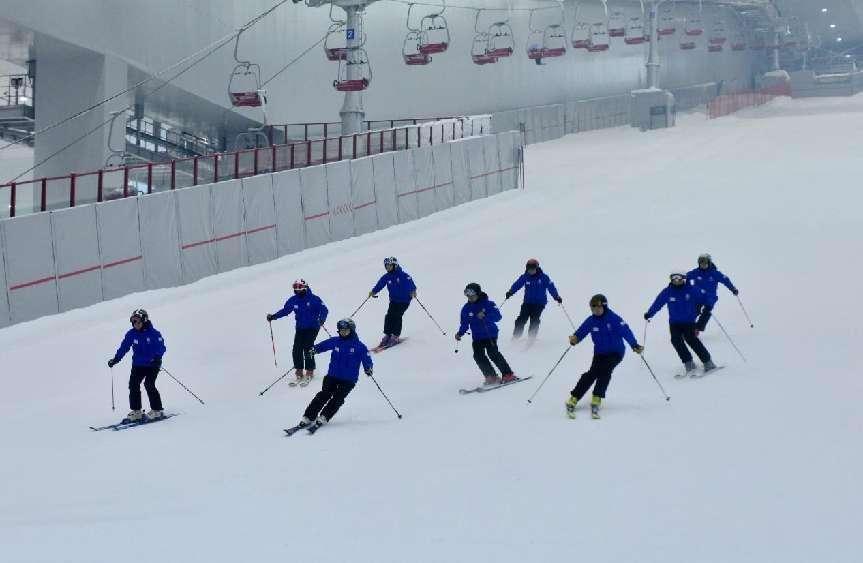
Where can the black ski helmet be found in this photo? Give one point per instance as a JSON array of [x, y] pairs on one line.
[[346, 323], [391, 261], [598, 299], [677, 276], [531, 263], [705, 259], [139, 314], [472, 289]]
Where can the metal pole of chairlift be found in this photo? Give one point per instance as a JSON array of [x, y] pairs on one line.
[[653, 56], [352, 113]]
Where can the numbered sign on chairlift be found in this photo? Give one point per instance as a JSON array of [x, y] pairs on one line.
[[617, 24], [501, 43], [635, 32]]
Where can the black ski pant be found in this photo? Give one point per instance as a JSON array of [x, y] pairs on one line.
[[304, 341], [683, 334], [530, 311], [706, 311], [486, 349], [147, 374], [329, 399], [600, 373], [393, 319]]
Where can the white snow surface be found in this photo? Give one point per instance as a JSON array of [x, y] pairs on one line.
[[758, 462]]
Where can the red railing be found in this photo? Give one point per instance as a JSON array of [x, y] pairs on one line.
[[731, 103], [119, 182], [290, 132]]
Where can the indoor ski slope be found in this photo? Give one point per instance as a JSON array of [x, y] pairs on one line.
[[759, 462]]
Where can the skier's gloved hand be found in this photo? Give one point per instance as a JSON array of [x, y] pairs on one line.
[[457, 336], [373, 294], [646, 317], [573, 340], [157, 363], [112, 362], [735, 291], [559, 299], [414, 294], [638, 349], [369, 371], [481, 314], [508, 294], [269, 318]]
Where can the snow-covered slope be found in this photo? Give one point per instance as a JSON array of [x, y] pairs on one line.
[[759, 462]]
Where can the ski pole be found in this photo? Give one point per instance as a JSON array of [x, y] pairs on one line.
[[644, 340], [745, 314], [667, 398], [729, 337], [360, 307], [562, 308], [183, 386], [325, 330], [111, 371], [398, 414], [284, 375], [554, 367], [273, 340], [430, 315]]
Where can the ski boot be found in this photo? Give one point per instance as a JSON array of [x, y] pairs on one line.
[[689, 369], [305, 421], [393, 340], [491, 380], [300, 375], [320, 421], [709, 366], [385, 341], [594, 407], [155, 414], [508, 378], [134, 416], [570, 406], [310, 374]]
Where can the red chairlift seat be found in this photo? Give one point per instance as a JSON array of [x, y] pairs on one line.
[[714, 48], [687, 45], [358, 59], [617, 24], [694, 27], [356, 85]]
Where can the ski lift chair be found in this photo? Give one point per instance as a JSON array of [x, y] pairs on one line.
[[500, 40], [434, 34], [580, 38], [718, 35], [694, 27], [244, 86], [411, 50], [667, 25], [479, 52], [617, 24], [553, 42], [635, 32], [359, 62], [334, 53], [598, 38]]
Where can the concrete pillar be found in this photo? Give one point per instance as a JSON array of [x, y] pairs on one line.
[[70, 80]]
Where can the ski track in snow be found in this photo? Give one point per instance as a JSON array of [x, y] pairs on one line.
[[759, 462]]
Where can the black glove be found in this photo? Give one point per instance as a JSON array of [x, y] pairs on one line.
[[269, 318], [735, 291], [112, 362], [508, 294], [368, 371], [157, 363], [559, 299], [646, 317]]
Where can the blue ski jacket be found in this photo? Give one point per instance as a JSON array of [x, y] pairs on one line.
[[480, 328], [399, 284], [346, 357], [309, 310], [683, 303], [535, 287], [147, 346], [608, 331], [709, 281]]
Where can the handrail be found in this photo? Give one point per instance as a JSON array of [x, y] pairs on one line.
[[124, 181]]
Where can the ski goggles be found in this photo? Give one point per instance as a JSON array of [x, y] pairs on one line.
[[469, 292], [677, 278], [136, 320]]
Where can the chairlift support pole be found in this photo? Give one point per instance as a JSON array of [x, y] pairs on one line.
[[353, 113], [653, 64]]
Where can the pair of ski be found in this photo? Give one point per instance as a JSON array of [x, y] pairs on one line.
[[304, 382], [484, 388], [697, 374], [379, 348], [125, 424], [310, 428]]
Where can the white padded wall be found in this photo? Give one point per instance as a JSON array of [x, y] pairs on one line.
[[442, 160], [289, 212], [228, 225], [260, 218], [316, 213], [194, 210], [363, 196], [506, 157], [5, 319], [76, 257], [492, 164], [385, 189], [30, 273], [120, 247], [477, 168], [460, 172], [424, 174], [339, 200], [160, 240], [406, 186]]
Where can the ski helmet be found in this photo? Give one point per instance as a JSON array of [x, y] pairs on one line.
[[705, 259], [139, 314], [472, 289], [677, 276], [391, 261], [346, 324], [598, 299], [300, 285], [532, 263]]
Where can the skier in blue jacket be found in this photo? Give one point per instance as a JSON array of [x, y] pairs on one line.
[[608, 331], [148, 347], [535, 283], [684, 302], [707, 277], [480, 315], [348, 353], [402, 289], [310, 314]]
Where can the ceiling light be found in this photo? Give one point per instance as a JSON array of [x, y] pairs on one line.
[[832, 26]]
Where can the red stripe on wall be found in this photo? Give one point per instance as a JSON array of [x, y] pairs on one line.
[[78, 272], [365, 205], [318, 216], [32, 283]]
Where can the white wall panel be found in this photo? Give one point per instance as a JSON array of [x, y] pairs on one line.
[[194, 210], [477, 167], [160, 240], [406, 186], [316, 213], [385, 190], [506, 157], [120, 247], [30, 271], [5, 319], [424, 174], [228, 225], [442, 159], [363, 196], [76, 257], [460, 172], [339, 200], [289, 212], [260, 218], [492, 164]]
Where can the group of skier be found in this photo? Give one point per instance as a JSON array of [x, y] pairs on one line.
[[690, 298]]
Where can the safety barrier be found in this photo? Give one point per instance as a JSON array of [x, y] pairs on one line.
[[730, 103], [56, 261], [119, 182]]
